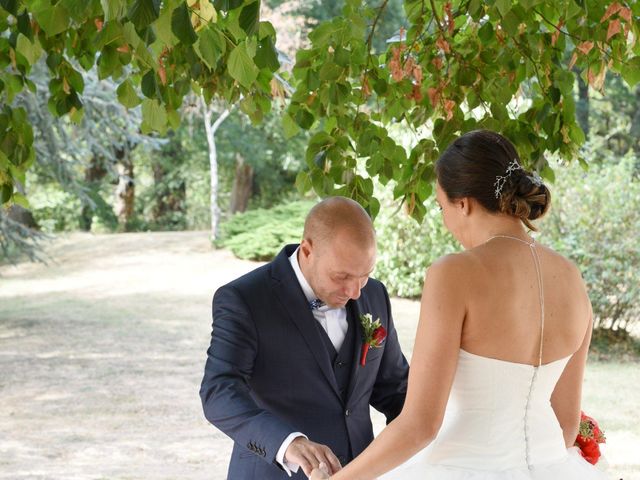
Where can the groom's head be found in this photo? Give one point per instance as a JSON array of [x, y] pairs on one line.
[[338, 250]]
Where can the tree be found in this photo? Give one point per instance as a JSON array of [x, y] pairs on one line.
[[459, 66], [213, 118], [166, 49]]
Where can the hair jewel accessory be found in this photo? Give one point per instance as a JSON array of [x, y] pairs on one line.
[[501, 180], [536, 179]]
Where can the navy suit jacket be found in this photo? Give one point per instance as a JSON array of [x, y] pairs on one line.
[[268, 373]]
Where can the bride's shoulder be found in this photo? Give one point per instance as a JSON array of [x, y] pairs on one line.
[[455, 266]]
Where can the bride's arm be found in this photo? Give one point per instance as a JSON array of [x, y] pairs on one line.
[[567, 395], [433, 366]]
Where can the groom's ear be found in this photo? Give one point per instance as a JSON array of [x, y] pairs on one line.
[[306, 247]]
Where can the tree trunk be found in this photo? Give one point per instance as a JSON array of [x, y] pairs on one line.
[[21, 215], [211, 129], [92, 176], [125, 190], [242, 186], [634, 133], [168, 199], [582, 110]]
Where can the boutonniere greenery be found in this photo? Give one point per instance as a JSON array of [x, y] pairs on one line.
[[373, 335]]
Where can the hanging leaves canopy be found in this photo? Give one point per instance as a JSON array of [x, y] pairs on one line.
[[157, 51], [460, 65], [506, 65]]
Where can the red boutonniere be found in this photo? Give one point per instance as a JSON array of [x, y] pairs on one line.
[[373, 335], [589, 439]]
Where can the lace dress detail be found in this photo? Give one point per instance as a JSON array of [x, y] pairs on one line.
[[499, 423]]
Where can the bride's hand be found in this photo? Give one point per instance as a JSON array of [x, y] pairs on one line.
[[320, 473]]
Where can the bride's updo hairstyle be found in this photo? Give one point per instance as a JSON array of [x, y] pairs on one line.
[[485, 165]]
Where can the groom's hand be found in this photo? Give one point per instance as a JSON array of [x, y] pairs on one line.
[[309, 455]]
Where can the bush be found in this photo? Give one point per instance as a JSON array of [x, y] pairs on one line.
[[260, 234], [595, 220], [406, 249]]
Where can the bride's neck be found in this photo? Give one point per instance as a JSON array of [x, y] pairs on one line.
[[498, 225]]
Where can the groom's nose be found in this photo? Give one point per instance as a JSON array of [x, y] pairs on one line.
[[353, 289]]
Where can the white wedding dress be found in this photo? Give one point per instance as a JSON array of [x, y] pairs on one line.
[[499, 425]]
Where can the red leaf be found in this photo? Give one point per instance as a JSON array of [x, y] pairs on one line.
[[574, 59], [443, 45], [366, 89], [450, 19], [449, 106], [556, 34], [162, 73], [417, 74], [585, 47], [614, 8], [625, 13], [614, 27], [434, 96]]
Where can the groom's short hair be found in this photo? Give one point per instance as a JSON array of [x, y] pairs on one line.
[[339, 214]]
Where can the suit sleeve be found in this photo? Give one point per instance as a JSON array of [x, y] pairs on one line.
[[390, 388], [225, 391]]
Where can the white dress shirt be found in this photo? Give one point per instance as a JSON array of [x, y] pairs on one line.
[[334, 322]]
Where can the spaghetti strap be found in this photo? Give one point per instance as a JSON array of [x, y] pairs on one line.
[[536, 261]]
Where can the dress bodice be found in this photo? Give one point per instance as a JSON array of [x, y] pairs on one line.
[[499, 415]]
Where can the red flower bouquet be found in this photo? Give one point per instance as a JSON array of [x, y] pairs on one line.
[[589, 439], [374, 334]]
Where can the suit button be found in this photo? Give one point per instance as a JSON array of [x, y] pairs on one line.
[[347, 412], [341, 364]]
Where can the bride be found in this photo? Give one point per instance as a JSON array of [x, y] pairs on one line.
[[496, 374]]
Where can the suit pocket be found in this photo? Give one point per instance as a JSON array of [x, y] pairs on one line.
[[246, 454]]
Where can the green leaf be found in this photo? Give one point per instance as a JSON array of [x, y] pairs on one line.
[[631, 71], [209, 47], [503, 6], [30, 51], [181, 25], [149, 84], [113, 9], [250, 18], [144, 12], [290, 127], [52, 19], [303, 182], [127, 95], [486, 33], [163, 25], [266, 55], [10, 6], [241, 67], [21, 200], [226, 5], [5, 193], [4, 161], [154, 116], [330, 72]]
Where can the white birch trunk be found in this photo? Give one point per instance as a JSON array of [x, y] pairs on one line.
[[211, 129]]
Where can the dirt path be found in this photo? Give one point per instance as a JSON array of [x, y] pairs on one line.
[[101, 357]]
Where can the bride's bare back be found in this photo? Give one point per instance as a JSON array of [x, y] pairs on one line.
[[503, 303]]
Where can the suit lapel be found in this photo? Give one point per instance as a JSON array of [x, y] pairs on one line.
[[293, 301]]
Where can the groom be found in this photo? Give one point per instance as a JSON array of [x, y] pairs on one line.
[[283, 377]]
